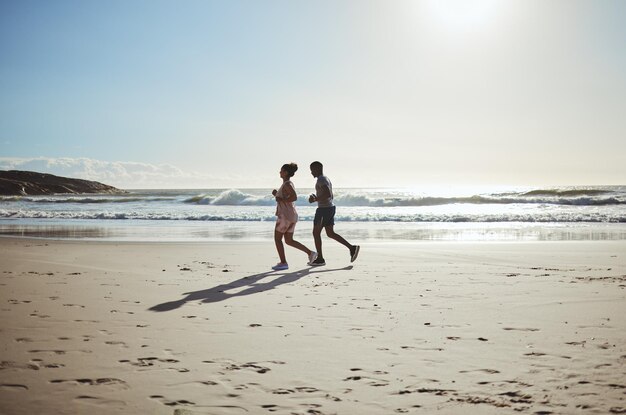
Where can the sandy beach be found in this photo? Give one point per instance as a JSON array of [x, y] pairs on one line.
[[417, 327]]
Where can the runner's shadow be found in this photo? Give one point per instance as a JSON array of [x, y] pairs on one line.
[[252, 282]]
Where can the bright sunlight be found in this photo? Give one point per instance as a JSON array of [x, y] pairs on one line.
[[463, 16]]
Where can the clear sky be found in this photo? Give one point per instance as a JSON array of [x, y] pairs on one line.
[[204, 93]]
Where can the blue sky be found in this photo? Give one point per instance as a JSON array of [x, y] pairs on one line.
[[403, 93]]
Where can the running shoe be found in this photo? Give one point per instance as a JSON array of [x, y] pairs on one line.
[[312, 257], [318, 262], [280, 267], [354, 253]]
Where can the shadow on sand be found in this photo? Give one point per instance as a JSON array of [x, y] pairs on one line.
[[252, 282]]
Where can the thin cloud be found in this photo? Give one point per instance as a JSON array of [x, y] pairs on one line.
[[122, 174]]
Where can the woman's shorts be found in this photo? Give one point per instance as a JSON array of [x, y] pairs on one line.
[[325, 216], [285, 226]]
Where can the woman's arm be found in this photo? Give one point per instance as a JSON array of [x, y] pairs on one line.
[[289, 194]]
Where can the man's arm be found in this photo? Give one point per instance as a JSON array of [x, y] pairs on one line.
[[323, 194]]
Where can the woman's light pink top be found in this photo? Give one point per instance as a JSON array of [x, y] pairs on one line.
[[284, 209]]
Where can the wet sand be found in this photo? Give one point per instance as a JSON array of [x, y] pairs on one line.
[[206, 328]]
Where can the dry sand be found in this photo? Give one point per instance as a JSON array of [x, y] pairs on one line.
[[149, 328]]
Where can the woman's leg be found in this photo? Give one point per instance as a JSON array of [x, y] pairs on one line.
[[291, 242], [278, 240]]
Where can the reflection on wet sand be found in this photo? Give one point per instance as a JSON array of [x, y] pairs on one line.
[[57, 232], [362, 231]]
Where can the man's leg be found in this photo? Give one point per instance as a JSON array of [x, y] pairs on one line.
[[354, 249], [330, 231], [317, 237]]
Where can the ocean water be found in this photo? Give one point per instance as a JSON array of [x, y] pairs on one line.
[[560, 213]]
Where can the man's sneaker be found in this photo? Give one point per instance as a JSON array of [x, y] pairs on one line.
[[354, 253], [312, 257], [280, 267], [318, 262]]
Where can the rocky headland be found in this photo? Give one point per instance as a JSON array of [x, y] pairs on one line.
[[23, 183]]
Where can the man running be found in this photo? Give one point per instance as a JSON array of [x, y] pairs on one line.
[[325, 215]]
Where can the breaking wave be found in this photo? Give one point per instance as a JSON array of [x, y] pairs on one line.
[[579, 204], [236, 197], [583, 197], [232, 197]]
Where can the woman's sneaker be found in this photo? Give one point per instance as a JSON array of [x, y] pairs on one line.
[[280, 267], [312, 257], [318, 262]]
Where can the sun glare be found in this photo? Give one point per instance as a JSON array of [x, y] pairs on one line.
[[463, 15]]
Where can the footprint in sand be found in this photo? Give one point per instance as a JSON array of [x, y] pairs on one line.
[[482, 400], [153, 361], [118, 311], [434, 391], [5, 364], [313, 408], [59, 352], [11, 386], [100, 402], [146, 361], [117, 343], [282, 391], [34, 364], [168, 402], [19, 301], [490, 371], [372, 381], [534, 354], [518, 397], [52, 365], [332, 398], [306, 389], [519, 329], [255, 366], [93, 382], [39, 273]]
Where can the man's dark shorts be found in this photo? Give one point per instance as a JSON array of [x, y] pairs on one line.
[[325, 216]]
